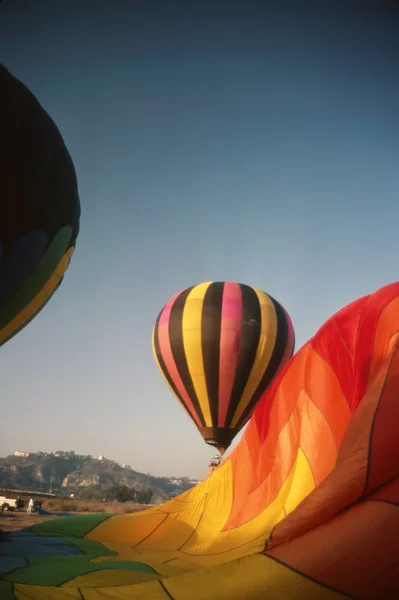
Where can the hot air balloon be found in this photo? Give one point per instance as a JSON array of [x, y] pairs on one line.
[[219, 345], [39, 206]]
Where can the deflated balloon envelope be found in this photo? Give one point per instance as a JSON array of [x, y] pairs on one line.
[[39, 206], [219, 345]]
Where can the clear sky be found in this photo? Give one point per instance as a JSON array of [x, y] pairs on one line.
[[249, 141]]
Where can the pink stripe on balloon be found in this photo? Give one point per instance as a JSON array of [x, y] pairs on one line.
[[170, 364], [165, 314], [229, 345]]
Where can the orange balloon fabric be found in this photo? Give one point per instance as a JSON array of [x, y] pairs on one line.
[[336, 403]]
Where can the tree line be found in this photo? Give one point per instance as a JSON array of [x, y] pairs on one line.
[[120, 493]]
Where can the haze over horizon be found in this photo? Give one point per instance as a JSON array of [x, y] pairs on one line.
[[254, 142]]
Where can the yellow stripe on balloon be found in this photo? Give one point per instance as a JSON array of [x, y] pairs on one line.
[[37, 302], [109, 578], [255, 576], [303, 482], [191, 325], [267, 339]]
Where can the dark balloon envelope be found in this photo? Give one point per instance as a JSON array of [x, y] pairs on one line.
[[39, 206], [219, 345]]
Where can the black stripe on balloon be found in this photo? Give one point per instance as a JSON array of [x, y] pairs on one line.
[[280, 344], [179, 354], [211, 323], [249, 339], [163, 368]]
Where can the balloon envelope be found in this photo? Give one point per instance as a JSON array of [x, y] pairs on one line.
[[39, 206], [219, 345]]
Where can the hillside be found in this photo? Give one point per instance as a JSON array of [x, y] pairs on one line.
[[68, 473]]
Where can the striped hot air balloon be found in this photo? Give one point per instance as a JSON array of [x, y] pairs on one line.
[[219, 345]]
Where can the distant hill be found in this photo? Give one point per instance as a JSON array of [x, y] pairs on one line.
[[69, 473]]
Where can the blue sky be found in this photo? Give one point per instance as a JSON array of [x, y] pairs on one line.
[[251, 141]]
